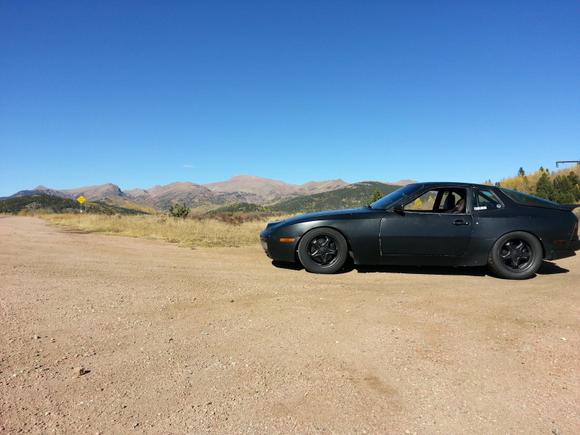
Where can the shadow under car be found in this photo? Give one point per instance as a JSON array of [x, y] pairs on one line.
[[547, 268]]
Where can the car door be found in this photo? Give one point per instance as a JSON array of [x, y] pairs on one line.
[[425, 227]]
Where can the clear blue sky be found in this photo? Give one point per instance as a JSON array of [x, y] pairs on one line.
[[142, 93]]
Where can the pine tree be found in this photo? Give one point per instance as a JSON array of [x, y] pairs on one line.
[[544, 187], [521, 172], [566, 188], [575, 182]]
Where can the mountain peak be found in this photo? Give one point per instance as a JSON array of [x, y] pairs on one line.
[[181, 184], [269, 189], [403, 182], [239, 188], [246, 177], [98, 192]]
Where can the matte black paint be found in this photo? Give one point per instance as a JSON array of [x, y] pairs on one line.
[[388, 236]]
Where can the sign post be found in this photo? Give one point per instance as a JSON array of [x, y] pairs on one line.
[[81, 200]]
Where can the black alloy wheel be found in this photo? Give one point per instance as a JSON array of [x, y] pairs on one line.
[[516, 255], [322, 250]]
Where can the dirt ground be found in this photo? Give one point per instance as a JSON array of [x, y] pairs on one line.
[[177, 340]]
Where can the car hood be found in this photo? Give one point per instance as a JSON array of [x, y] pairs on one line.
[[329, 214]]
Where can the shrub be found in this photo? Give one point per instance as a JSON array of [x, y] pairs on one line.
[[179, 211]]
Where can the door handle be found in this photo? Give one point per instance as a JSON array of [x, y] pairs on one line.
[[460, 222]]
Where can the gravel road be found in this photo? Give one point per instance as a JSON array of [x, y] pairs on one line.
[[105, 334]]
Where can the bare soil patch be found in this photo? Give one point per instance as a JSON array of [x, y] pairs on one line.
[[113, 335]]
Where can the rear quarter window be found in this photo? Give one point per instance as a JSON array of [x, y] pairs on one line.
[[526, 199]]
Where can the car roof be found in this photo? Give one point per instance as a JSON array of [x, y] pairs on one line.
[[450, 184]]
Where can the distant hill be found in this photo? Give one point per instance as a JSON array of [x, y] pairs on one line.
[[313, 187], [101, 207], [40, 190], [100, 192], [239, 189], [58, 204], [191, 194], [268, 190], [402, 182], [241, 207], [242, 194], [37, 201], [264, 189], [350, 196], [162, 197], [353, 195]]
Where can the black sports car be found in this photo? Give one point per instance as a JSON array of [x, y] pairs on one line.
[[455, 224]]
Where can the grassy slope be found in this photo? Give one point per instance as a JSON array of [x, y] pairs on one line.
[[353, 195], [37, 202], [56, 204], [528, 183], [107, 208], [186, 232], [242, 207]]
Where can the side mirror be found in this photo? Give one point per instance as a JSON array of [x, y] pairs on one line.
[[399, 209]]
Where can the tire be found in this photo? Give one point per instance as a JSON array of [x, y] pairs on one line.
[[323, 250], [516, 255]]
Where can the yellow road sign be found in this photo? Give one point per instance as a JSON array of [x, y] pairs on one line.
[[81, 200]]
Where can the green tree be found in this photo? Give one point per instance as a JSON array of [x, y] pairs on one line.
[[575, 182], [566, 188], [179, 210], [375, 196], [545, 187], [521, 172]]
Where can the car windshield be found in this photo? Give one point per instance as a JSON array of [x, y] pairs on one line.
[[525, 199], [394, 197]]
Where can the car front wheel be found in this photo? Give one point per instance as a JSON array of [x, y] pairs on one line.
[[516, 255], [323, 250]]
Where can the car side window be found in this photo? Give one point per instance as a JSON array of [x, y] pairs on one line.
[[439, 201], [486, 200], [425, 202]]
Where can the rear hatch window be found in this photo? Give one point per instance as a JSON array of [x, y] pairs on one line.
[[526, 199]]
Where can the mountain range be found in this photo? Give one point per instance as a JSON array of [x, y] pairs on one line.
[[241, 189]]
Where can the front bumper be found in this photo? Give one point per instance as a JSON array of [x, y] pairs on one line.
[[264, 243], [276, 250]]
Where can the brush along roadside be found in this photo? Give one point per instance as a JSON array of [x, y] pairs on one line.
[[202, 232]]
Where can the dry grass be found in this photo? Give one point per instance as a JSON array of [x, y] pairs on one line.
[[185, 232]]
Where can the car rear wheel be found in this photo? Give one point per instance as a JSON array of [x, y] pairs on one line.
[[323, 250], [516, 255]]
